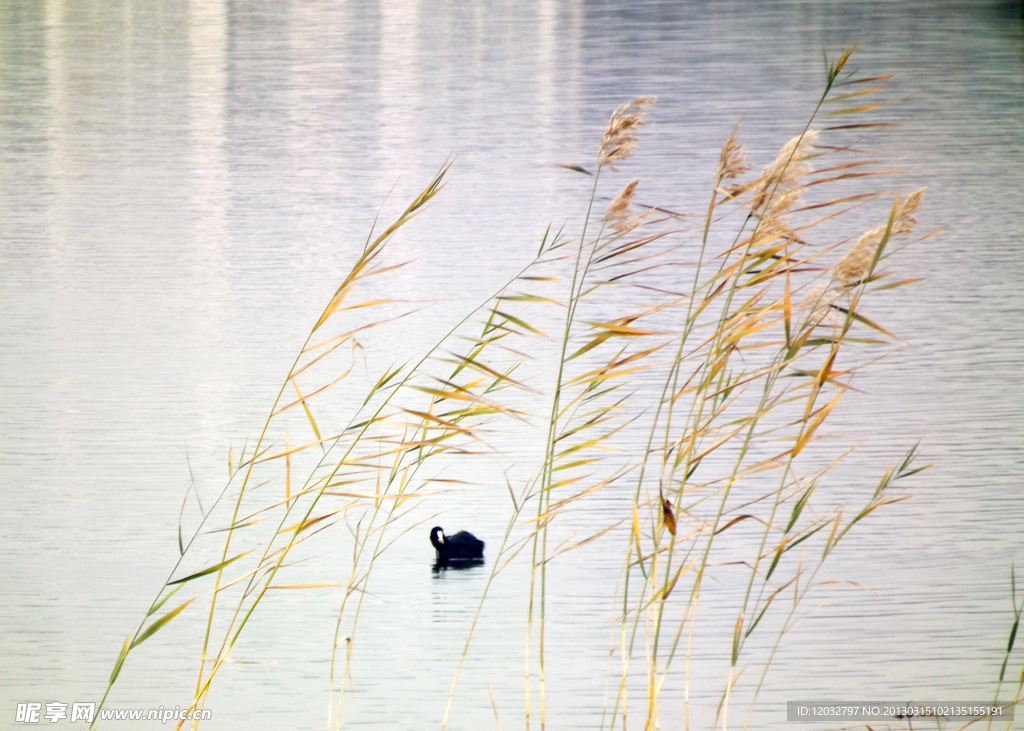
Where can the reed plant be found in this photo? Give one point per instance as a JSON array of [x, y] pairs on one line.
[[720, 343]]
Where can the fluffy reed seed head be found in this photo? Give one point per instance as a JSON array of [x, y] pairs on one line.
[[816, 305], [905, 221], [774, 222], [619, 139], [856, 263], [620, 215], [732, 161], [783, 201], [771, 230], [789, 165]]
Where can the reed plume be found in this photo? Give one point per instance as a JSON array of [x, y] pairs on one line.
[[905, 221], [857, 263], [619, 139], [620, 215], [732, 163], [782, 174]]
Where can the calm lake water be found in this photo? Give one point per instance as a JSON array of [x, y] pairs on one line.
[[182, 185]]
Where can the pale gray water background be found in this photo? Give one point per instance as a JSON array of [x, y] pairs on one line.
[[183, 183]]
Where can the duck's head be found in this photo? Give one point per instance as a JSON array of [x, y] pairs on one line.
[[437, 537]]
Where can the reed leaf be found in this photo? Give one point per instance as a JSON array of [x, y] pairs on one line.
[[157, 626], [207, 571]]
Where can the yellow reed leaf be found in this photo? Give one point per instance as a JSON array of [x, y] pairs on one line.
[[812, 426]]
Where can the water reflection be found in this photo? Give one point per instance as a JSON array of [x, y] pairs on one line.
[[443, 565]]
